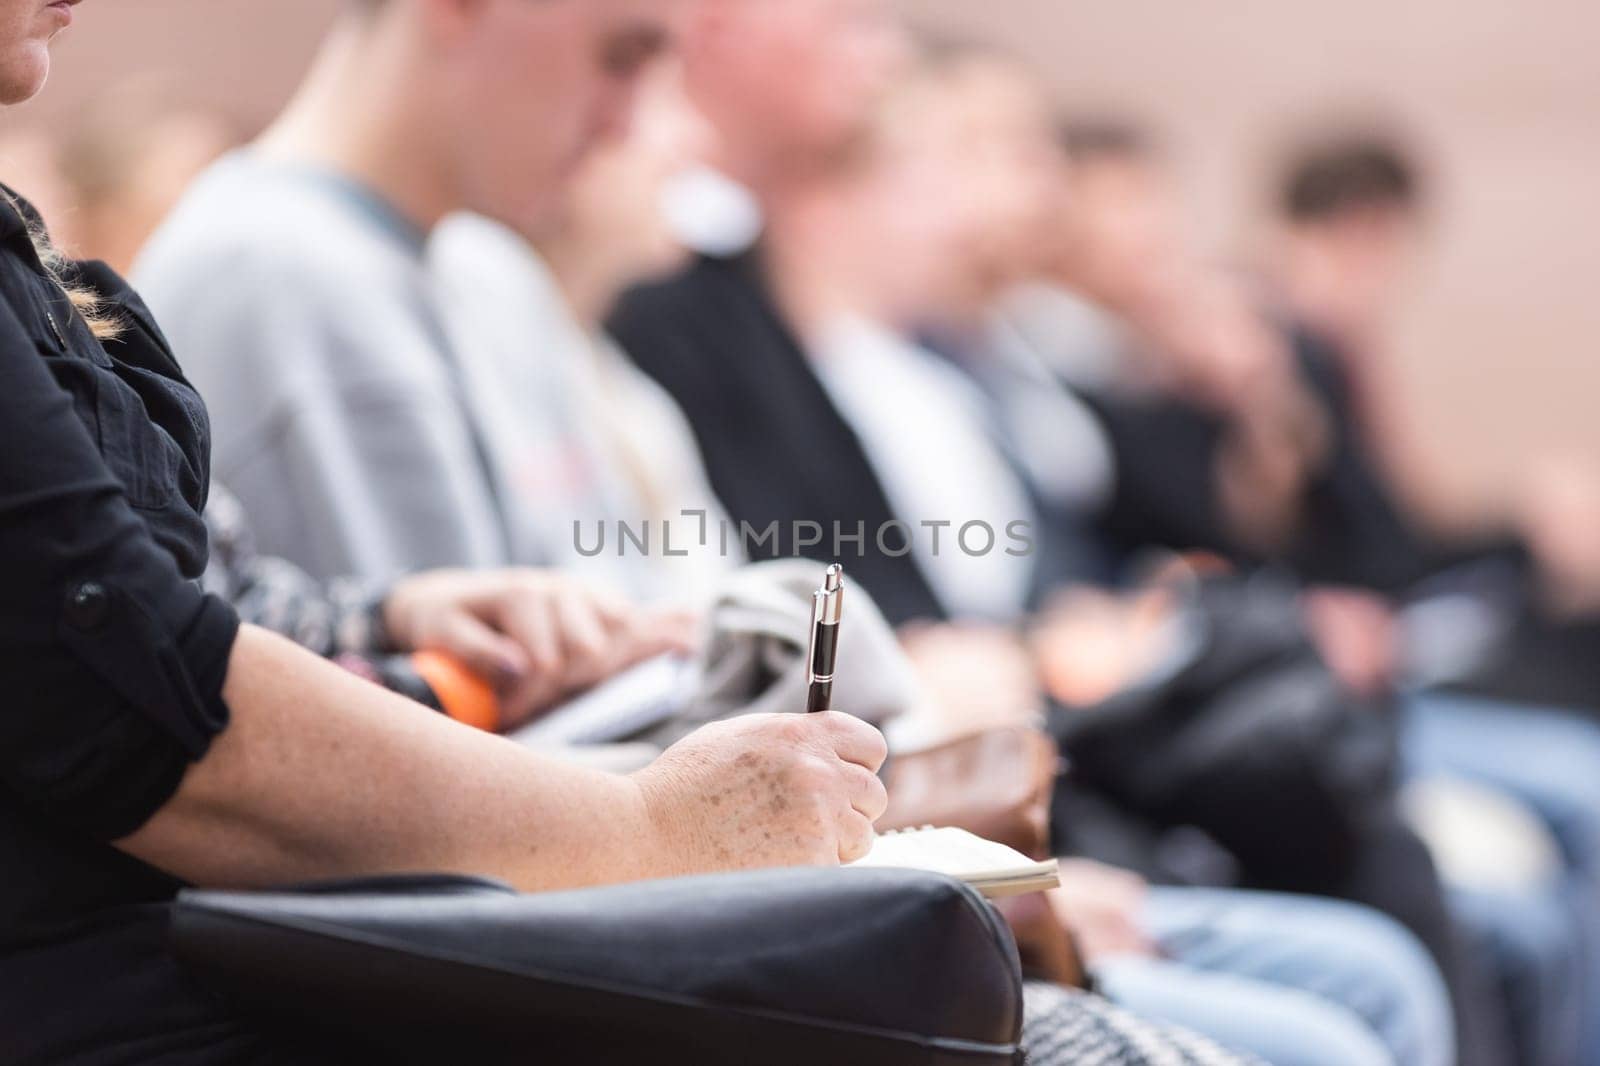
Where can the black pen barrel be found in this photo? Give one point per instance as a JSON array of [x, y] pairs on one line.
[[824, 651], [819, 696]]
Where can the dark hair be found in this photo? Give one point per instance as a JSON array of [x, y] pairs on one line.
[[1094, 140], [1350, 174]]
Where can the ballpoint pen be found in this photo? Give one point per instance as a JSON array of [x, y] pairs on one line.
[[826, 604]]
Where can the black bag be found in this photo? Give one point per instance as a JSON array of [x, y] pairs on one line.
[[1251, 741], [1249, 738], [782, 967]]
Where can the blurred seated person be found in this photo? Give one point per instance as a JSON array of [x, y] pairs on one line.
[[1214, 438], [347, 422], [711, 338], [1351, 215], [1349, 220]]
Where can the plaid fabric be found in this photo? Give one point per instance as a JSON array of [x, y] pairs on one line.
[[1063, 1027], [340, 617]]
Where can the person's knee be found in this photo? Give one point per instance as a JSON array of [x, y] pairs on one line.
[[1283, 1025], [1546, 757], [1380, 970], [1346, 953], [1316, 1032]]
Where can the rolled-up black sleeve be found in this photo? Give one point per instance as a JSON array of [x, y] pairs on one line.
[[113, 661]]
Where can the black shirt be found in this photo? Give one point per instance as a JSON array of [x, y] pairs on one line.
[[775, 447], [1353, 532], [113, 663]]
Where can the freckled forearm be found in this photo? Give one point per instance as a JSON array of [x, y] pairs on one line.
[[322, 775]]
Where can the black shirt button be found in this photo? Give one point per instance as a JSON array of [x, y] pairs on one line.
[[89, 607]]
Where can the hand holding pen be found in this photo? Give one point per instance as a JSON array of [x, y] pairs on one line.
[[826, 605]]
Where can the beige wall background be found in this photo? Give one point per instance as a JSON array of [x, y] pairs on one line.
[[1495, 359]]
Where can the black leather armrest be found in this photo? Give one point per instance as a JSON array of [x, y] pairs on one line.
[[802, 967]]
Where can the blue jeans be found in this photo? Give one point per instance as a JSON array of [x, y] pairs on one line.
[[1543, 943], [1294, 980]]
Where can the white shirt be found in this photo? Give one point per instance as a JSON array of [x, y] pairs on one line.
[[1043, 339], [923, 427]]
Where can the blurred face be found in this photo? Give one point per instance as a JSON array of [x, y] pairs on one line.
[[1014, 174], [1125, 229], [964, 178], [26, 29], [1363, 256], [779, 78], [914, 219], [536, 85], [616, 201]]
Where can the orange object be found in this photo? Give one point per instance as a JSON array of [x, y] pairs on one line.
[[464, 695]]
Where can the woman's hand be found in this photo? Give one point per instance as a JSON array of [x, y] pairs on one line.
[[763, 791], [536, 636]]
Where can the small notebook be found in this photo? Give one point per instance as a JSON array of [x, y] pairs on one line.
[[993, 869]]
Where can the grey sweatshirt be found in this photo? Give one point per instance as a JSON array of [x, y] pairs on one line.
[[302, 309]]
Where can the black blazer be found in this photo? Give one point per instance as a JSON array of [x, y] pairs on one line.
[[775, 447]]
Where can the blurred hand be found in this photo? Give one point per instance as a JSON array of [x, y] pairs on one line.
[[1558, 513], [1215, 347], [1101, 905], [1212, 348], [976, 677], [1091, 644], [767, 790], [1356, 634], [1261, 473], [536, 636]]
